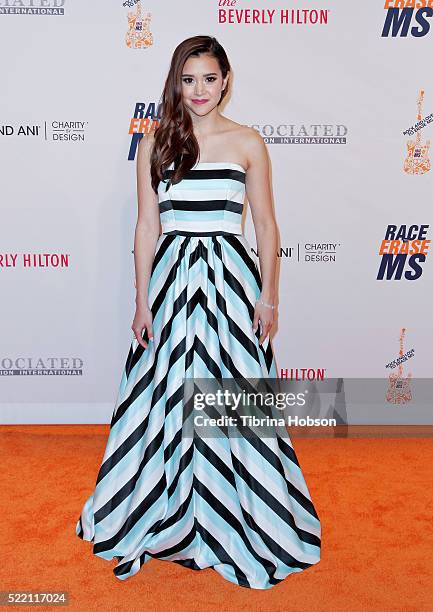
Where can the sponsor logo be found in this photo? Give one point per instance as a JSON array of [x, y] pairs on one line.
[[403, 252], [308, 252], [138, 35], [417, 160], [229, 13], [33, 7], [52, 131], [34, 260], [399, 388], [41, 366], [407, 18], [303, 373], [145, 119], [303, 134]]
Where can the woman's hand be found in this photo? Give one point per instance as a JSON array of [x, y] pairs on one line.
[[142, 320], [263, 315]]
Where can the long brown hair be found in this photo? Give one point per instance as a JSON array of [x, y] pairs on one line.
[[174, 139]]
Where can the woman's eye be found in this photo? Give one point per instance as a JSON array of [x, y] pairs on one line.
[[188, 80]]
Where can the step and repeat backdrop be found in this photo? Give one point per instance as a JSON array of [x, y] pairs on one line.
[[342, 94]]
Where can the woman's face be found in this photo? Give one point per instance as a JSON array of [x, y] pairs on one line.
[[202, 81]]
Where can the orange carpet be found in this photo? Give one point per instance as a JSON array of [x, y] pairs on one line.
[[373, 496]]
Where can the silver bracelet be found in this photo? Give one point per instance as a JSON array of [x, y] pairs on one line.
[[265, 304]]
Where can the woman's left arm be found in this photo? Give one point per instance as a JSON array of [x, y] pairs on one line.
[[258, 189]]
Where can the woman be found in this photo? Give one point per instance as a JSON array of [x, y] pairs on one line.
[[237, 504]]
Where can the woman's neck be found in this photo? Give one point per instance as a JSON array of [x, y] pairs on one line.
[[203, 126]]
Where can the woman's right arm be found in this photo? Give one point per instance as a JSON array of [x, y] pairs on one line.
[[146, 236]]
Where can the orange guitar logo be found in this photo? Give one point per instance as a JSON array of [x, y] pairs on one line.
[[417, 160], [399, 391], [139, 35]]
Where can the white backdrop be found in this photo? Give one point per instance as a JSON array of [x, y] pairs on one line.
[[70, 85]]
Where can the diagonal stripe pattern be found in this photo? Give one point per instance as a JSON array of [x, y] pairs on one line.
[[238, 505]]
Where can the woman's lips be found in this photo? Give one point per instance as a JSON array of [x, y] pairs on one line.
[[200, 101]]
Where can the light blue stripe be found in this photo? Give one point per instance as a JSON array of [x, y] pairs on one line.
[[195, 217]]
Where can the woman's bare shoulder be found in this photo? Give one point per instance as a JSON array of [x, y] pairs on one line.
[[243, 133], [238, 129], [251, 135], [250, 144]]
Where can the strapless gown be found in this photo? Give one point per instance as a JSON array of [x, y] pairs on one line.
[[240, 506]]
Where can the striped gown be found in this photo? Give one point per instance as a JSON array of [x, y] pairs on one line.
[[237, 505]]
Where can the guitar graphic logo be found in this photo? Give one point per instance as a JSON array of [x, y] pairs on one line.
[[417, 160], [139, 35], [399, 390]]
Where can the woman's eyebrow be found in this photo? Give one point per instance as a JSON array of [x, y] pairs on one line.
[[208, 74]]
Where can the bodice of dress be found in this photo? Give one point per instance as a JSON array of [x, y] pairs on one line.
[[209, 199]]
